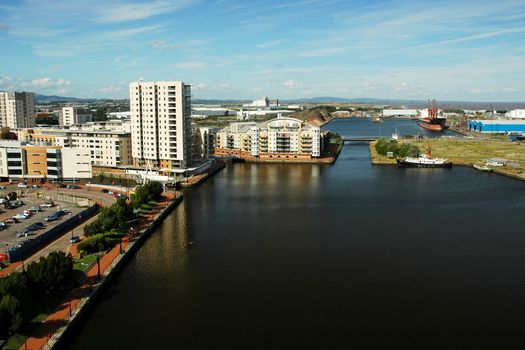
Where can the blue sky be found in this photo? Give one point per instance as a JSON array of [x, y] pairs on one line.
[[450, 50]]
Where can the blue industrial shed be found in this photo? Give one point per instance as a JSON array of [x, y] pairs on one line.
[[497, 126]]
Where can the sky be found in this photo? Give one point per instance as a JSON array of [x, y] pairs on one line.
[[411, 49]]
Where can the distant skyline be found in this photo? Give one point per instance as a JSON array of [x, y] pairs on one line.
[[449, 50]]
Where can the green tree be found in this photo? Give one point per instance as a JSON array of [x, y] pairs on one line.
[[10, 315]]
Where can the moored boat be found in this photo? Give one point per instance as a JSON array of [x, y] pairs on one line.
[[433, 121], [424, 161], [377, 120], [482, 168]]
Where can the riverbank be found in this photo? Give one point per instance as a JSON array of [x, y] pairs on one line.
[[466, 152], [71, 312]]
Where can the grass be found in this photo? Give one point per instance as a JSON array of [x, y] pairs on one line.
[[467, 152], [83, 263]]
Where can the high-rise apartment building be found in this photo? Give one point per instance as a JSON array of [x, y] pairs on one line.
[[17, 109], [73, 115], [161, 124]]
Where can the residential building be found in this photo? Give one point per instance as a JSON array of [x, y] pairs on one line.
[[21, 160], [277, 138], [161, 124], [106, 147], [204, 142], [17, 109], [74, 115]]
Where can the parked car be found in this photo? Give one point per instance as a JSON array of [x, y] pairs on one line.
[[28, 212], [121, 196], [36, 226], [104, 190], [36, 186], [12, 221], [73, 187], [20, 216], [74, 239], [52, 217], [22, 185], [35, 209], [2, 187], [47, 204]]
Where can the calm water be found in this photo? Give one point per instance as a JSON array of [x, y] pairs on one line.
[[301, 256]]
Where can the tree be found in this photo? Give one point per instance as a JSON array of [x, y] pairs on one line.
[[52, 275], [10, 315]]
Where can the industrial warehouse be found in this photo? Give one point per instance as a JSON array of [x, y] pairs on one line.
[[497, 126]]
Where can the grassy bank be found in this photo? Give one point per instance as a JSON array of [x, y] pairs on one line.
[[466, 152]]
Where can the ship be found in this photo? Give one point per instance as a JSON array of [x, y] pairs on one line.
[[424, 161], [377, 120], [433, 121]]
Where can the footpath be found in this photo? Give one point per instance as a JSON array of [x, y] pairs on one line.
[[56, 323]]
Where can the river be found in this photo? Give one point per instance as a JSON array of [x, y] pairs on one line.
[[327, 256]]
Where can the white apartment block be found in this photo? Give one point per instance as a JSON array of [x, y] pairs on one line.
[[74, 115], [107, 147], [284, 135], [161, 124], [17, 109]]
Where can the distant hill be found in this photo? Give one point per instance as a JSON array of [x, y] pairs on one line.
[[323, 99], [53, 98]]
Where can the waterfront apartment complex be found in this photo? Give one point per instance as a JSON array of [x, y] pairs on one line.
[[106, 147], [74, 115], [161, 124], [20, 160], [17, 109], [281, 138]]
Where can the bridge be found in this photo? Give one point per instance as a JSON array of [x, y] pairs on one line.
[[360, 139]]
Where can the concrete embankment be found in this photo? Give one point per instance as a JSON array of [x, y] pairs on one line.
[[59, 339]]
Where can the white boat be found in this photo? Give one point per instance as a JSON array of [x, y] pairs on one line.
[[482, 168], [424, 161]]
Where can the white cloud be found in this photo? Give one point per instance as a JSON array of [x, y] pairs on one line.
[[164, 45], [199, 86], [290, 84], [272, 43], [112, 89], [403, 86], [48, 83], [509, 89], [482, 91], [137, 11], [193, 65]]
